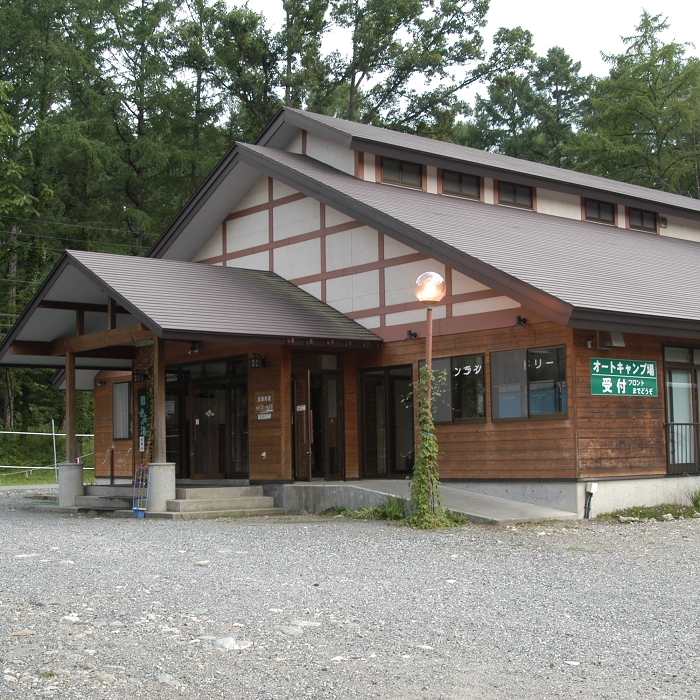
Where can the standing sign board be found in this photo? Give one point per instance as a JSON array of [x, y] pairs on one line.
[[623, 377]]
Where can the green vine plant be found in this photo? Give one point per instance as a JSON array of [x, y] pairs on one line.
[[428, 511]]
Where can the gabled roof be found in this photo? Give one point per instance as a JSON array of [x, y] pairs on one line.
[[178, 301], [578, 273], [372, 139]]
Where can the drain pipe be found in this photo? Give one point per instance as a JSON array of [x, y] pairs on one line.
[[591, 488]]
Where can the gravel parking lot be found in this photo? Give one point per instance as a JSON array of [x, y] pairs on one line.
[[310, 607]]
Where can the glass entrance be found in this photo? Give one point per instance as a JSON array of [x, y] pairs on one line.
[[387, 422], [682, 409], [317, 415], [208, 433], [207, 419]]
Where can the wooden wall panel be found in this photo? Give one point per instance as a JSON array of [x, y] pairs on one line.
[[620, 435], [534, 448], [104, 441]]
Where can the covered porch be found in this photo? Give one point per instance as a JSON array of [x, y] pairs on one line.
[[186, 344]]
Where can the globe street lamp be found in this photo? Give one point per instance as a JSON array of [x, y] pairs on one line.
[[429, 290]]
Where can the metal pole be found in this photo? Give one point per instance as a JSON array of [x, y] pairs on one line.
[[429, 351], [55, 460]]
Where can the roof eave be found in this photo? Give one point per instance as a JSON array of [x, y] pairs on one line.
[[597, 319]]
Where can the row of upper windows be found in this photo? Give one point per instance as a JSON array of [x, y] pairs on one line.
[[399, 172]]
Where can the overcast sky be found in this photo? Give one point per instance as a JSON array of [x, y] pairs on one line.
[[583, 29]]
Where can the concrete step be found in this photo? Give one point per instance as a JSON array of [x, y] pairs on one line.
[[123, 491], [102, 502], [248, 512], [209, 492], [211, 504]]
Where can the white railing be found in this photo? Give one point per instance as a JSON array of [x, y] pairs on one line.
[[53, 434]]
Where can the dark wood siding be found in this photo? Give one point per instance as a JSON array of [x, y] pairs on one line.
[[619, 436], [528, 448]]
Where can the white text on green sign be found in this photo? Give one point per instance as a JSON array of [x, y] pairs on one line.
[[611, 377]]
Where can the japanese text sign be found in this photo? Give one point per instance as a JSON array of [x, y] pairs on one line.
[[623, 377], [264, 405]]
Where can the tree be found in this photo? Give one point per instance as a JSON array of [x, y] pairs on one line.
[[641, 121]]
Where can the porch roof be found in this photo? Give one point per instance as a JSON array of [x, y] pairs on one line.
[[176, 301]]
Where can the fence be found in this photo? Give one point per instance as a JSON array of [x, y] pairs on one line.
[[683, 448], [38, 454]]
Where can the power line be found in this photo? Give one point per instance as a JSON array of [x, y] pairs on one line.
[[86, 226], [76, 240]]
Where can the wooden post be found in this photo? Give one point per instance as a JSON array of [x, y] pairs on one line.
[[80, 322], [71, 445], [158, 400], [111, 314]]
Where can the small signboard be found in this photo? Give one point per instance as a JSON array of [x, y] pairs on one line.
[[264, 405], [623, 377], [144, 417]]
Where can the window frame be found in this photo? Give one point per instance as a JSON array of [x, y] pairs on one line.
[[584, 209], [479, 185], [642, 228], [537, 416], [449, 359], [130, 417], [499, 200], [400, 182]]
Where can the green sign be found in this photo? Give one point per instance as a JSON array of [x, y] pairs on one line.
[[623, 377]]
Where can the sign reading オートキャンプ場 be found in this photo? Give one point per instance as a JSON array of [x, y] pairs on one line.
[[623, 377]]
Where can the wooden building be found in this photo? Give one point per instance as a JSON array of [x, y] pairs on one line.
[[272, 334]]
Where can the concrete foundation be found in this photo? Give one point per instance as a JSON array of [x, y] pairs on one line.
[[161, 486], [309, 498], [70, 483], [613, 494]]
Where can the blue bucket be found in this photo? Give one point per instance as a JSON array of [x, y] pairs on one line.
[[138, 513]]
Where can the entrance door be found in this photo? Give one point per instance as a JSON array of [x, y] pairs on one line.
[[317, 390], [387, 422], [208, 448]]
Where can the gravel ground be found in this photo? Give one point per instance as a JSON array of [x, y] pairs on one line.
[[304, 607]]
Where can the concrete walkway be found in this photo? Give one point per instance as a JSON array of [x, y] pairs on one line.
[[478, 507]]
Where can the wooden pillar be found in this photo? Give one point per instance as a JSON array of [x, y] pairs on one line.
[[158, 400], [71, 445], [111, 314], [80, 322]]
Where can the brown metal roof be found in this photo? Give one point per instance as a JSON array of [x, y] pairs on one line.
[[179, 300], [386, 142], [176, 298], [576, 272]]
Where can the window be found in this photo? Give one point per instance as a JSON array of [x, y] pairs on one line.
[[460, 184], [515, 195], [402, 173], [642, 220], [121, 411], [527, 383], [468, 392], [463, 395], [602, 212]]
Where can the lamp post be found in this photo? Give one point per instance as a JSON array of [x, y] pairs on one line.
[[429, 290]]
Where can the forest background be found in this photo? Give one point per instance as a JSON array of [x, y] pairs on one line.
[[112, 112]]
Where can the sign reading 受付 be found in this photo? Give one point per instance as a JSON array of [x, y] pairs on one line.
[[623, 377], [264, 405]]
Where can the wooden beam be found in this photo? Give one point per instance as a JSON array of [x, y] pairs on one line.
[[116, 352], [71, 444], [111, 314], [79, 322], [159, 456], [77, 306], [30, 347], [103, 339]]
